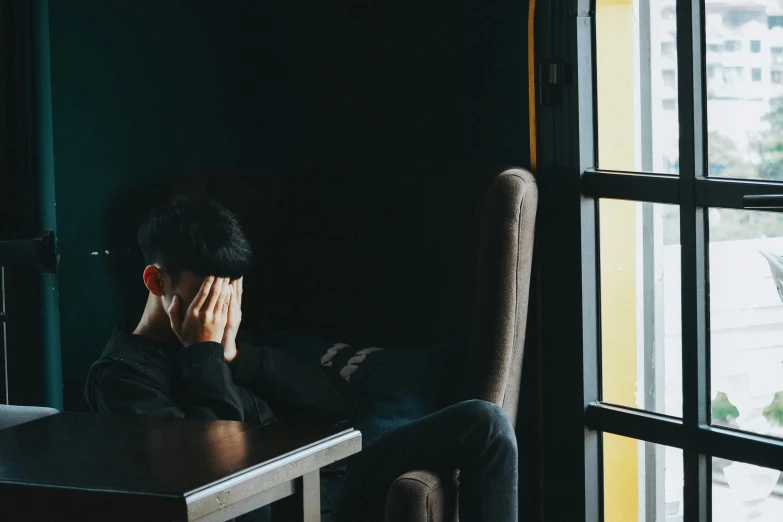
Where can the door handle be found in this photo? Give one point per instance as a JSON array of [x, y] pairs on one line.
[[763, 202]]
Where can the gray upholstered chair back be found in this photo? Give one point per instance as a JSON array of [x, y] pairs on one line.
[[492, 366], [393, 267]]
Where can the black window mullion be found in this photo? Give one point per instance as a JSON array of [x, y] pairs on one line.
[[652, 188], [695, 368], [586, 115], [657, 428], [566, 141], [636, 424]]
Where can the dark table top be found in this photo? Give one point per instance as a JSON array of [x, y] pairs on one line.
[[62, 457]]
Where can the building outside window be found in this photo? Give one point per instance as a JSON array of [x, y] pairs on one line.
[[733, 46]]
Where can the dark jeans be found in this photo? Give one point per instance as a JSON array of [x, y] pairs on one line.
[[474, 437]]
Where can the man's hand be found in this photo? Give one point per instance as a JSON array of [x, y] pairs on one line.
[[232, 325], [206, 317]]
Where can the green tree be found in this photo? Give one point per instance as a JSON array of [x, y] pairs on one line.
[[724, 413], [774, 412], [725, 160]]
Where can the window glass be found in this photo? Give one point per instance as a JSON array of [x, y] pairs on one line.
[[744, 492], [744, 90], [638, 122], [642, 481], [641, 340], [746, 319]]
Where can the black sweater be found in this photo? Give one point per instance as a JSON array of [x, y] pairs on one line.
[[138, 376]]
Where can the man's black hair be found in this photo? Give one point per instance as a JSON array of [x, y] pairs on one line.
[[196, 234]]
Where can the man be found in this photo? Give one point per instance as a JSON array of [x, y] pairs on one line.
[[183, 360]]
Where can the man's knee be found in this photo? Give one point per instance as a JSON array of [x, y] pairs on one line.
[[492, 419]]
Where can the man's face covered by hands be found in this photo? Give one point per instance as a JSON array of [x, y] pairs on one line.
[[186, 287], [205, 309]]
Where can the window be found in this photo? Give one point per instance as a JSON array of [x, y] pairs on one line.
[[733, 46], [679, 286], [777, 55], [776, 77], [755, 74], [732, 75], [667, 48], [755, 46], [737, 17], [669, 78]]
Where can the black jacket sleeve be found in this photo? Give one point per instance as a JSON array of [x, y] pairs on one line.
[[296, 390], [207, 390], [204, 390]]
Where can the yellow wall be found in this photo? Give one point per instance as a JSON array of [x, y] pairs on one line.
[[614, 40]]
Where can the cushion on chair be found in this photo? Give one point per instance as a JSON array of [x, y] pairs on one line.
[[394, 387], [422, 496]]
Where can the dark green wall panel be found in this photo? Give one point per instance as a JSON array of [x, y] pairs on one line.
[[362, 132], [141, 93]]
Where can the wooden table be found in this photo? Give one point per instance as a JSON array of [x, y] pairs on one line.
[[99, 467]]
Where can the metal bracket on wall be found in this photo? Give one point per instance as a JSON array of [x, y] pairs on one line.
[[551, 78], [37, 252]]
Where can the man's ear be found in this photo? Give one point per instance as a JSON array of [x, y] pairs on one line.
[[153, 280]]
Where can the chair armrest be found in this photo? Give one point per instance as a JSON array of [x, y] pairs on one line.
[[422, 496]]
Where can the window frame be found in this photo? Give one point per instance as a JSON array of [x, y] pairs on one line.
[[571, 187]]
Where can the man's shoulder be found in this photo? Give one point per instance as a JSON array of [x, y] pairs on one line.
[[136, 352], [122, 347], [129, 353]]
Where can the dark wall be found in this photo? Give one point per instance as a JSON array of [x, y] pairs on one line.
[[351, 137]]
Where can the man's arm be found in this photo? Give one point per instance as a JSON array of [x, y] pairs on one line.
[[295, 389], [206, 388]]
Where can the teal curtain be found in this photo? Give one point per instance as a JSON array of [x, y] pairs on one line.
[[31, 348]]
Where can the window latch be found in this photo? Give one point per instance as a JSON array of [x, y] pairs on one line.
[[763, 202], [552, 76], [38, 252]]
